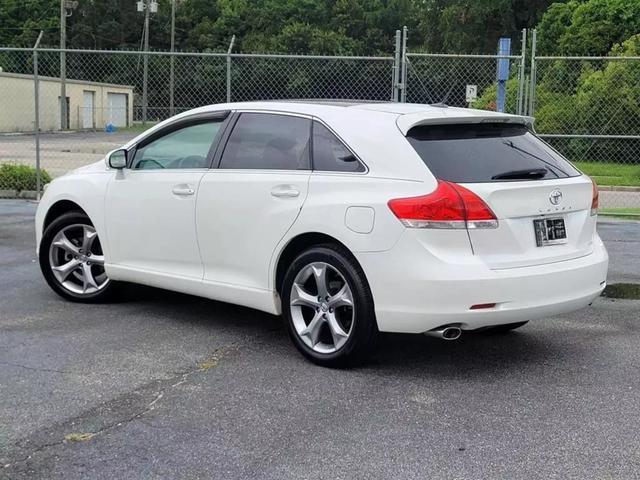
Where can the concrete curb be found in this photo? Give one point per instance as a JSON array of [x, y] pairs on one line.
[[26, 194], [618, 189]]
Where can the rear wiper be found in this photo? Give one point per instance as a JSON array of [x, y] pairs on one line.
[[552, 170], [529, 174]]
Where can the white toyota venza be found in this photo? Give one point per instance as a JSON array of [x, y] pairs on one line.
[[348, 219]]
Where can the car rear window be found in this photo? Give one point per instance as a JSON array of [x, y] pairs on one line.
[[487, 152]]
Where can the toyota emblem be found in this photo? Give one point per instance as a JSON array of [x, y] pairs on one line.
[[555, 197]]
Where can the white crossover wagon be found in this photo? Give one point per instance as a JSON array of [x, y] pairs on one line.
[[348, 219]]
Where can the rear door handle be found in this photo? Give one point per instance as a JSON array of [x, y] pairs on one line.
[[183, 191], [285, 192]]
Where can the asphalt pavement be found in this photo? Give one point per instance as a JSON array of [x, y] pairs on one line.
[[163, 385]]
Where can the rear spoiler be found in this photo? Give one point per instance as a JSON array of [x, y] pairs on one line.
[[450, 115]]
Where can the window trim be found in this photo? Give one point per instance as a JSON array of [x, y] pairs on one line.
[[346, 145], [196, 119], [233, 120]]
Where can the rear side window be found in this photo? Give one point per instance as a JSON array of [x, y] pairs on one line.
[[330, 154], [268, 141], [473, 153]]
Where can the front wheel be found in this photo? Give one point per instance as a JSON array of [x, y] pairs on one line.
[[72, 261], [328, 307]]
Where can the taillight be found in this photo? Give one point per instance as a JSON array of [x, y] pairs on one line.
[[449, 206], [595, 198]]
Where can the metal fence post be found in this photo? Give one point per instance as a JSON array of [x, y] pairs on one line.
[[521, 73], [233, 40], [145, 66], [532, 85], [36, 120], [172, 59], [395, 88], [403, 82]]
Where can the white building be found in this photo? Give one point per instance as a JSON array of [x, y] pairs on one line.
[[90, 105]]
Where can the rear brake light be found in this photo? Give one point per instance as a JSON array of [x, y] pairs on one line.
[[595, 197], [449, 206]]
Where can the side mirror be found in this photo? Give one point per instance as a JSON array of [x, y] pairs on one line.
[[117, 159]]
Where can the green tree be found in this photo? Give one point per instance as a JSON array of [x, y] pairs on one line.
[[588, 27]]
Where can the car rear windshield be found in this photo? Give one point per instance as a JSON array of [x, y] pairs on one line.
[[487, 152]]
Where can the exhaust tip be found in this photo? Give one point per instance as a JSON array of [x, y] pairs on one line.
[[451, 333]]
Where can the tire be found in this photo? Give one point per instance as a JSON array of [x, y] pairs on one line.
[[323, 342], [62, 246], [506, 328]]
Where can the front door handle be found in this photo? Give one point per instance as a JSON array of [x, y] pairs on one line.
[[183, 191], [285, 191]]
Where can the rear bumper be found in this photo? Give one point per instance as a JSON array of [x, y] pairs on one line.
[[415, 292]]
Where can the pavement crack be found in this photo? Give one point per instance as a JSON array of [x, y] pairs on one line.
[[39, 369], [172, 382]]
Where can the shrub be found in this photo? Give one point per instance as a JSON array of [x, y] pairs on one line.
[[20, 177]]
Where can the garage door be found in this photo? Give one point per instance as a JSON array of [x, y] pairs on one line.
[[87, 109], [117, 109]]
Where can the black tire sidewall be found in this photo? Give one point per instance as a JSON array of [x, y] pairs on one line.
[[364, 329], [45, 265], [505, 328]]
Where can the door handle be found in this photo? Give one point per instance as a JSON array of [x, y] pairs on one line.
[[183, 191], [286, 191]]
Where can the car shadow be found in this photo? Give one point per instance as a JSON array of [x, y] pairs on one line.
[[475, 353]]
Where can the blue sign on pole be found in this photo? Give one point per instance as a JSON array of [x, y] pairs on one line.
[[502, 73]]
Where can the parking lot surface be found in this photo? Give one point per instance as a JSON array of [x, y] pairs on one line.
[[62, 152], [163, 385]]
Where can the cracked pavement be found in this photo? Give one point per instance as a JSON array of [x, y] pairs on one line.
[[163, 385]]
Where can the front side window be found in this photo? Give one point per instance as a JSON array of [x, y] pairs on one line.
[[187, 147], [330, 154], [268, 141]]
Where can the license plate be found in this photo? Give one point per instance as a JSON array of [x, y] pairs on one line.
[[550, 231]]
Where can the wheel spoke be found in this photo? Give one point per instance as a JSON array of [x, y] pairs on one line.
[[63, 242], [62, 271], [97, 259], [301, 298], [341, 299], [337, 332], [88, 236], [313, 329], [320, 276], [87, 278]]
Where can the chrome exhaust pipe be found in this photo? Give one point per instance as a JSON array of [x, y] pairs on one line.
[[445, 333]]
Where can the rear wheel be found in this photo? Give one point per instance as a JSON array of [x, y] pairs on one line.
[[72, 261], [328, 307], [507, 327]]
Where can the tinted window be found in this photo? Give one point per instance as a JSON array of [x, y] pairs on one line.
[[268, 141], [184, 148], [487, 153], [330, 154]]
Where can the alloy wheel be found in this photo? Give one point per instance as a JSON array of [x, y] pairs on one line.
[[322, 307], [77, 260]]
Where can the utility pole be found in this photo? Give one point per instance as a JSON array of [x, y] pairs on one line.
[[66, 9], [172, 57], [149, 6]]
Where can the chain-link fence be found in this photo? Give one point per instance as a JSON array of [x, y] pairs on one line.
[[587, 108], [109, 99], [446, 78]]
